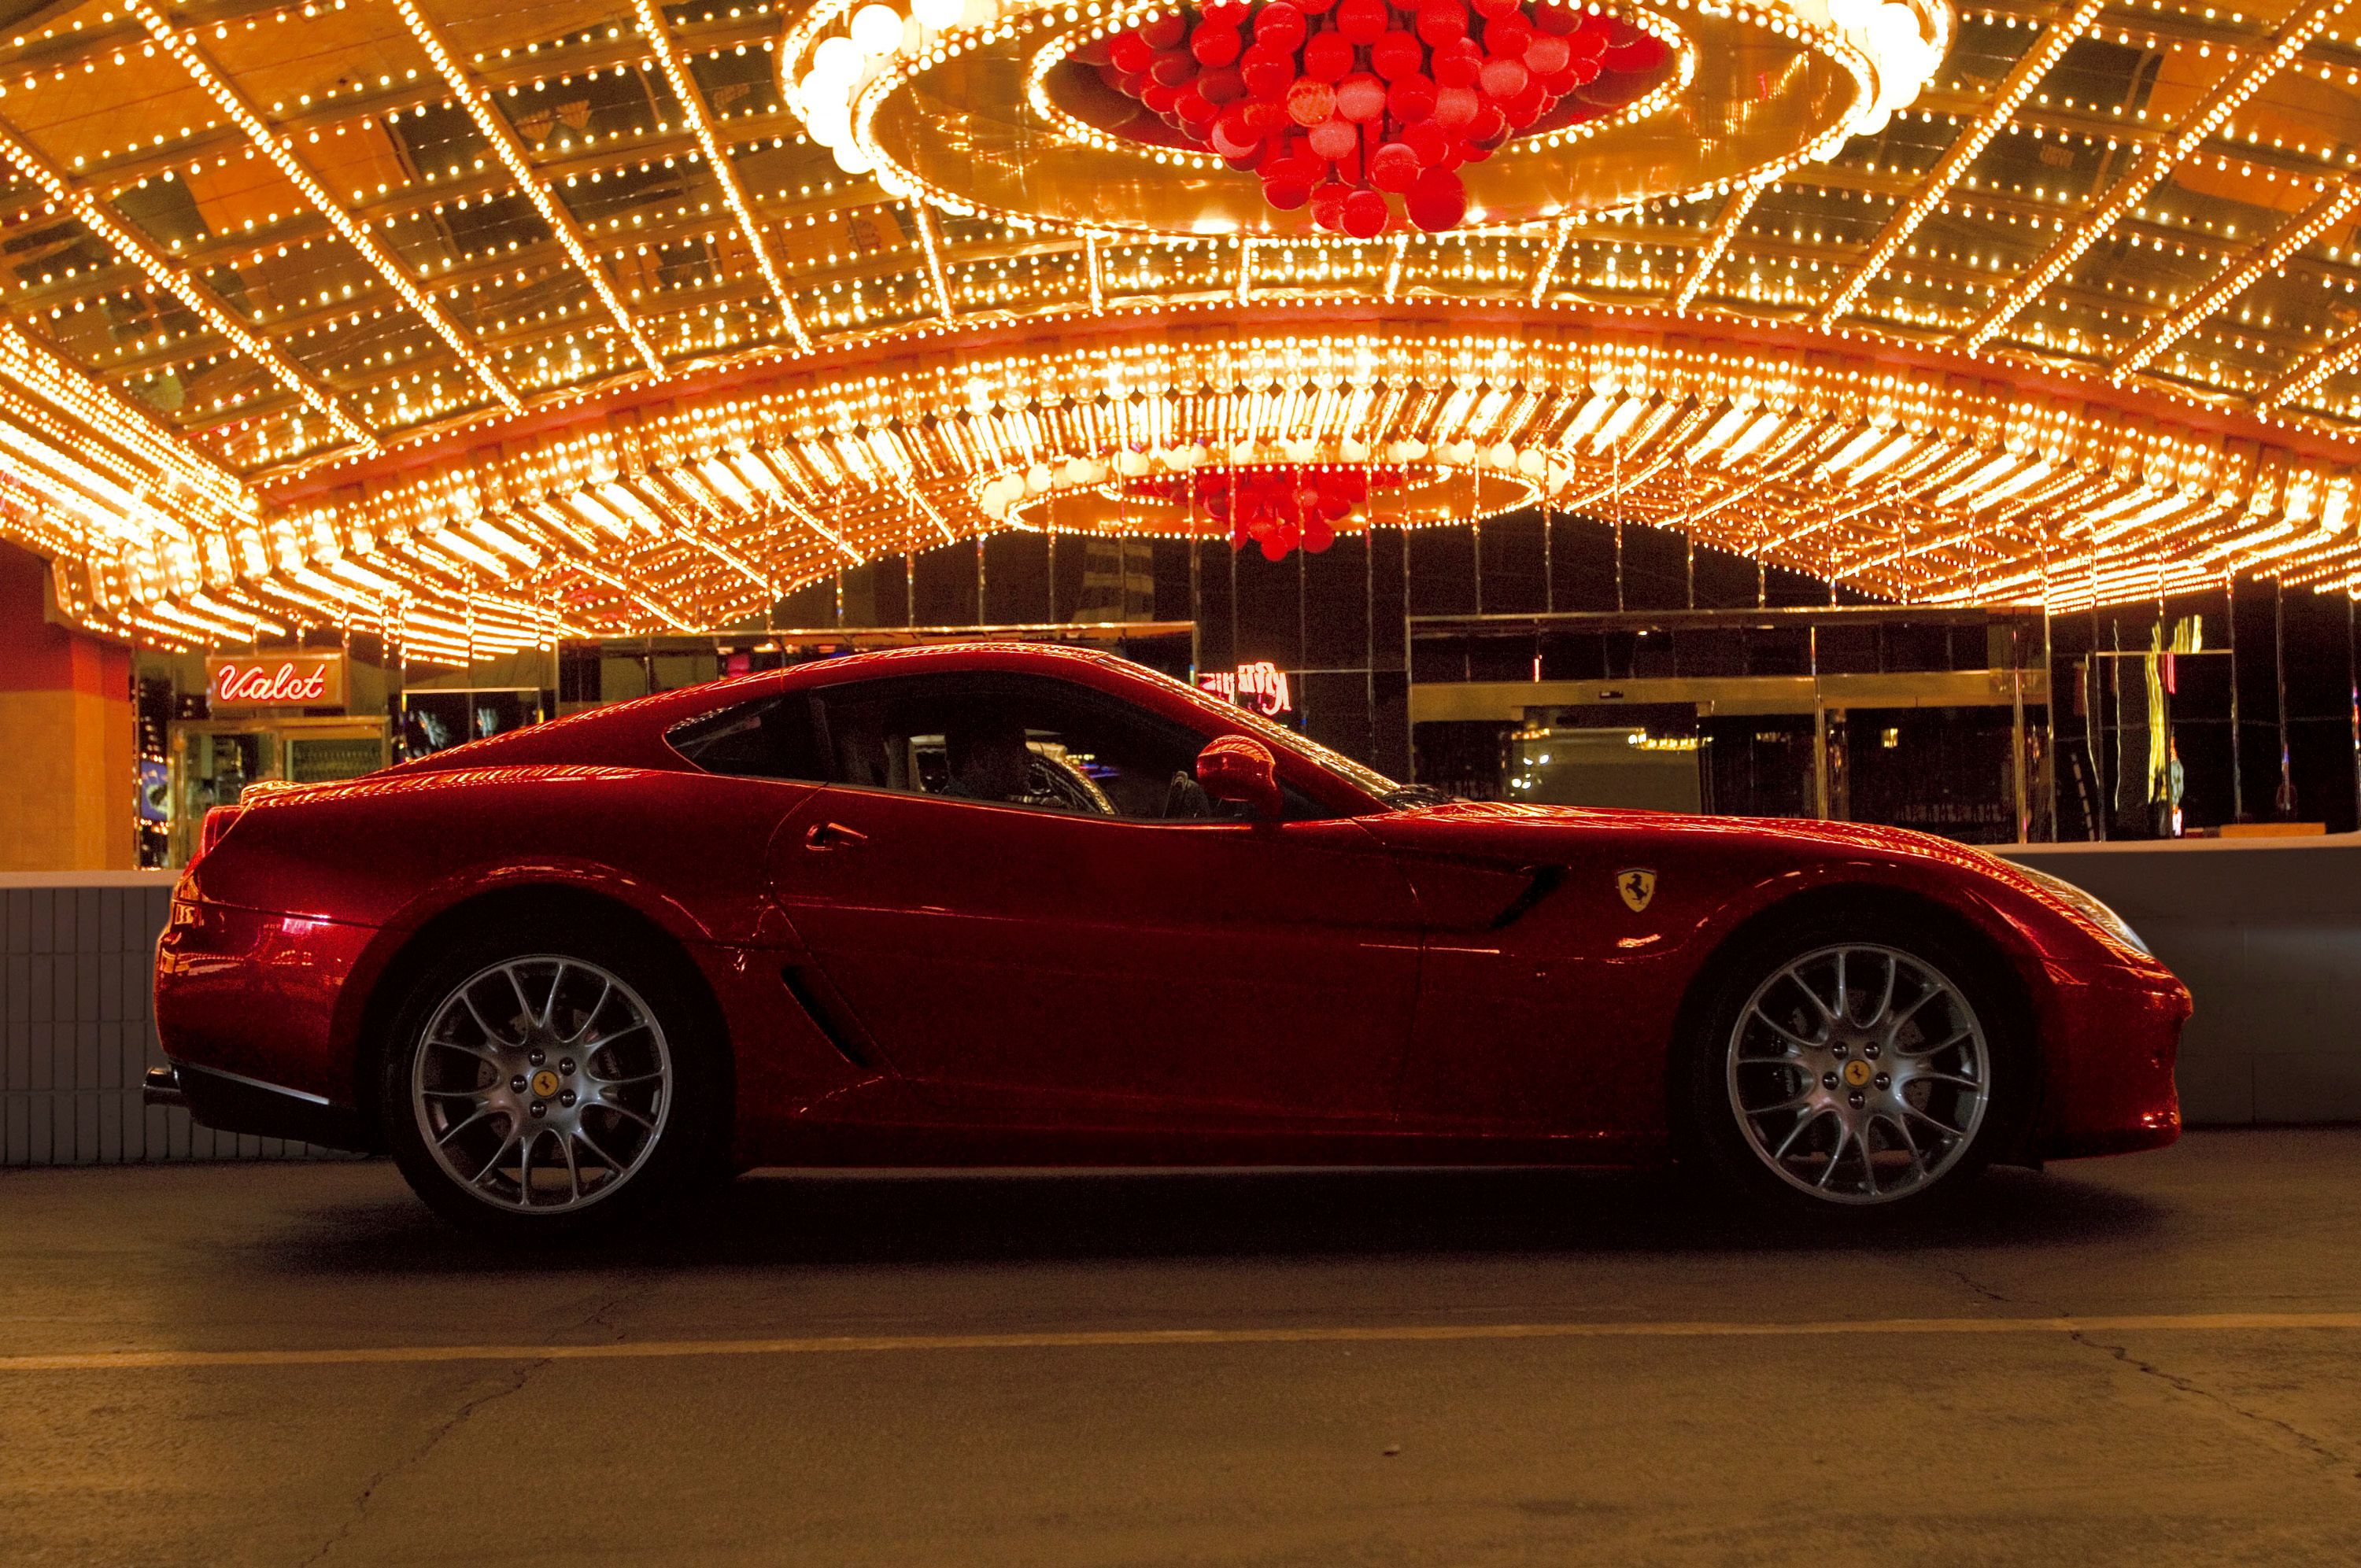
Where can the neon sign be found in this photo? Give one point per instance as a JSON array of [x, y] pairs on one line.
[[1261, 686], [277, 680]]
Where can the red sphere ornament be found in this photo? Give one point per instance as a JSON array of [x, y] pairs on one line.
[[1361, 98], [1397, 55], [1394, 168], [1441, 21], [1311, 103], [1215, 46], [1361, 22], [1411, 100], [1160, 33], [1437, 202], [1279, 26], [1335, 140], [1327, 56]]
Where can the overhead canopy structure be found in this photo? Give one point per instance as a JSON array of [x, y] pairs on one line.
[[488, 325]]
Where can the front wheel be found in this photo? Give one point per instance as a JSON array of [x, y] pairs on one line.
[[543, 1089], [1851, 1067]]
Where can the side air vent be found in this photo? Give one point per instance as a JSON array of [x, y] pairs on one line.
[[1544, 882], [828, 1014]]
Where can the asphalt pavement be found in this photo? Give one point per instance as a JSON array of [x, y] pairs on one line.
[[2148, 1360]]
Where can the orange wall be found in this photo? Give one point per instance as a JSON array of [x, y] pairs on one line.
[[67, 770]]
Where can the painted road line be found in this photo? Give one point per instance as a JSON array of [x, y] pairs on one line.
[[1148, 1339]]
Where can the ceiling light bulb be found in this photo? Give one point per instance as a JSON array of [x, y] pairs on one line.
[[877, 30], [837, 61]]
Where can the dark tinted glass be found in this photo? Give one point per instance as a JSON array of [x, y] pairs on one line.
[[1019, 741], [768, 739]]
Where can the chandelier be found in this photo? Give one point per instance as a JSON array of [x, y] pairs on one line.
[[1278, 508], [1340, 104], [1336, 122]]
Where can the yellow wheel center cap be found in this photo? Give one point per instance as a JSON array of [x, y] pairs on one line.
[[544, 1083], [1856, 1072]]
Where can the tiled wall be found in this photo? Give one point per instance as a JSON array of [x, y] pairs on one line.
[[2268, 934], [80, 1028]]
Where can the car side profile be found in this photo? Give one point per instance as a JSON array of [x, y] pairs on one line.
[[978, 904]]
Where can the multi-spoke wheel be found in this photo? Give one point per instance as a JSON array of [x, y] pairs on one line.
[[541, 1084], [1853, 1064], [526, 1088], [1859, 1074]]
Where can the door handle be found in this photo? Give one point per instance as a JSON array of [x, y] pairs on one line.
[[832, 835]]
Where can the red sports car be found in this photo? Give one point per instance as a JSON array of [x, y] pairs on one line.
[[1014, 904]]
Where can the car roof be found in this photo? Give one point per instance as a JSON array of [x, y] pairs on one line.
[[923, 658]]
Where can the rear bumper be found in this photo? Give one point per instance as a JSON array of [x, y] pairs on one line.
[[246, 1010], [231, 1104]]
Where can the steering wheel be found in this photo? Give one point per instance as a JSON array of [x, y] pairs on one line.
[[1051, 780]]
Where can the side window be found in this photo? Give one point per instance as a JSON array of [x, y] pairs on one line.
[[1024, 741], [770, 738]]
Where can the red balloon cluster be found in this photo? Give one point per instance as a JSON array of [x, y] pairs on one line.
[[1347, 105], [1276, 507]]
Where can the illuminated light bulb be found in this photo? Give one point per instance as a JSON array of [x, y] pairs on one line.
[[877, 30], [837, 61], [830, 121], [853, 160], [936, 14]]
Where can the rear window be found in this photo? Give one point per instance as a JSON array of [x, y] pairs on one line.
[[770, 738]]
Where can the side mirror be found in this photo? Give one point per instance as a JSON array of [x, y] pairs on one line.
[[1237, 768]]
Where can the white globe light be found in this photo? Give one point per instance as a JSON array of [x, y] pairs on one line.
[[837, 61], [829, 122], [1132, 464], [937, 13], [853, 160], [1354, 450], [876, 30]]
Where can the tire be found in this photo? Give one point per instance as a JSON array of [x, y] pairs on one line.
[[596, 1027], [1842, 1117]]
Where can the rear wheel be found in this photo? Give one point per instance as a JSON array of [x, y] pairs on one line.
[[1855, 1066], [552, 1087]]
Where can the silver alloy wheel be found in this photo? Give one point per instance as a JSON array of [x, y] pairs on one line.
[[1859, 1073], [542, 1083]]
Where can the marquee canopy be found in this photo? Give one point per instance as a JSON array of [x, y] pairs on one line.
[[489, 324]]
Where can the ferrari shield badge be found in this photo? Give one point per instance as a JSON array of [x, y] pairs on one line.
[[1637, 885]]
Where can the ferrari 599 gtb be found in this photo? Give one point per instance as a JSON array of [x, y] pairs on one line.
[[1013, 905]]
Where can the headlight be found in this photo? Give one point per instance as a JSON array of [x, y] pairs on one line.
[[2091, 909]]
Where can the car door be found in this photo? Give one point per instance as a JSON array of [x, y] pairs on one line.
[[1035, 959]]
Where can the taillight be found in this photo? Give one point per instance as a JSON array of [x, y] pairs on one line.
[[217, 824]]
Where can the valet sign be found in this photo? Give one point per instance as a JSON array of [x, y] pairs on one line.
[[1261, 686], [276, 680]]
